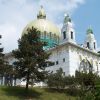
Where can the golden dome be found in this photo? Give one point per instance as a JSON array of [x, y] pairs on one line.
[[42, 24], [49, 31]]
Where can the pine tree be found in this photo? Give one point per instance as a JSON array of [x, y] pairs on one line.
[[32, 59]]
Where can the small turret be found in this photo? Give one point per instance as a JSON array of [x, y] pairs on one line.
[[90, 41], [67, 31]]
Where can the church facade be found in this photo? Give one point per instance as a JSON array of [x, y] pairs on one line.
[[65, 52]]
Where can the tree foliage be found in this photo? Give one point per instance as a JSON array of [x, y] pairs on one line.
[[59, 80], [6, 70], [89, 85], [56, 80], [31, 58], [86, 80]]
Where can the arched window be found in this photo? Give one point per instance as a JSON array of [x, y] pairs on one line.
[[94, 45], [85, 66], [71, 35], [55, 37], [64, 35], [50, 35], [44, 34], [88, 45]]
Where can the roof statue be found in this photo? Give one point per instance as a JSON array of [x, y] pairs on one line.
[[67, 18]]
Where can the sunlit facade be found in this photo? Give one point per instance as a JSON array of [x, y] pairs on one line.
[[66, 53]]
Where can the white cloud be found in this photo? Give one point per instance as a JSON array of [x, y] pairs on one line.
[[15, 14], [9, 36]]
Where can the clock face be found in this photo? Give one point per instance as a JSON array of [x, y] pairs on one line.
[[85, 66]]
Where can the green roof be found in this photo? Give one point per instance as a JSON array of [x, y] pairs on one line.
[[89, 30]]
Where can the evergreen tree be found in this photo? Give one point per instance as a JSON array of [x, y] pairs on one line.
[[32, 59], [99, 53]]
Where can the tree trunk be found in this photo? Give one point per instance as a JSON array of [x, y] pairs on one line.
[[1, 80], [32, 82], [27, 81], [15, 81]]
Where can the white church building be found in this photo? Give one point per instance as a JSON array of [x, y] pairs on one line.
[[65, 51]]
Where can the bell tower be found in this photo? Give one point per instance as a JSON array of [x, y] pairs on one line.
[[67, 31], [90, 41]]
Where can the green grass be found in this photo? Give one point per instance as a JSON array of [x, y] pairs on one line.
[[18, 93]]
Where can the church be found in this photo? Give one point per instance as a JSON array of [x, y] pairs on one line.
[[66, 53]]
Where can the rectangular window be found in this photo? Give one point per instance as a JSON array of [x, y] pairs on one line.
[[88, 45], [94, 45], [57, 62], [51, 64], [71, 35], [64, 35], [63, 59]]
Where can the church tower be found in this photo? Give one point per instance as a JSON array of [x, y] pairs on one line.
[[67, 31], [90, 41]]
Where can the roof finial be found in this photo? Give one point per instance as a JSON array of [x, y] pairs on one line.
[[65, 14], [41, 6], [90, 27], [41, 14]]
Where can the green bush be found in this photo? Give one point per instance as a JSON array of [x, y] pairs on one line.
[[73, 91]]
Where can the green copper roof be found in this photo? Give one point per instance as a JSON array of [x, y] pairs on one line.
[[89, 30]]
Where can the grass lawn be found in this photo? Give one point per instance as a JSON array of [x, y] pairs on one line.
[[18, 93]]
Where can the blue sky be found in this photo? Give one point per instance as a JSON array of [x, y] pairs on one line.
[[16, 14]]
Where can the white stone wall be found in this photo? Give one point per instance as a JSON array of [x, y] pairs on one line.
[[73, 60], [59, 54], [73, 56]]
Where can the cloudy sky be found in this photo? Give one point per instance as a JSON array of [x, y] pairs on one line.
[[16, 14]]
